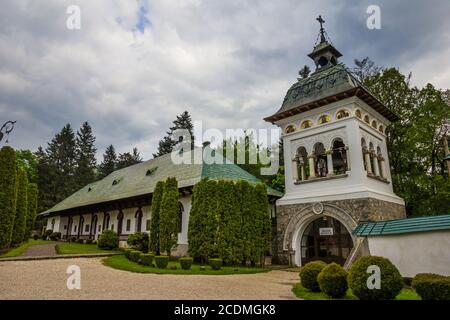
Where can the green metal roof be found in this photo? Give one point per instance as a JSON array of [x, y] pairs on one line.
[[410, 225], [141, 179]]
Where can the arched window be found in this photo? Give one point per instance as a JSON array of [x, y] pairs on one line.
[[358, 113], [180, 217], [106, 221], [290, 129], [303, 163], [374, 124], [53, 225], [342, 114], [363, 151], [366, 119], [373, 160], [380, 162], [339, 157], [119, 223], [93, 230], [381, 129], [306, 124], [324, 119], [320, 162], [138, 217]]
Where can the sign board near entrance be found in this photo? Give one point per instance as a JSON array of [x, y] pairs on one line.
[[326, 231]]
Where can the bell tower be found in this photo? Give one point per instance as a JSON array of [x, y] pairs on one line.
[[336, 161]]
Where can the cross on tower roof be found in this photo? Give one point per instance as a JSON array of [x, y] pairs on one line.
[[322, 30]]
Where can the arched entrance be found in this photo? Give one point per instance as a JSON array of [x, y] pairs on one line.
[[325, 239]]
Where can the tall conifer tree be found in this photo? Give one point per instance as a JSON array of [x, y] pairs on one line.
[[168, 231], [8, 194], [109, 162], [20, 221], [85, 156], [155, 218]]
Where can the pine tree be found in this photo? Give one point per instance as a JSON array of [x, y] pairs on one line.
[[8, 189], [128, 159], [85, 156], [28, 162], [155, 218], [45, 180], [166, 145], [32, 193], [20, 221], [109, 162], [168, 233]]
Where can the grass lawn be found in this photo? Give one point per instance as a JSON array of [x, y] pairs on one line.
[[23, 247], [79, 248], [303, 293], [122, 263]]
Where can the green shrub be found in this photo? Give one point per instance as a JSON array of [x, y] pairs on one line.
[[162, 261], [135, 256], [309, 273], [391, 280], [127, 252], [186, 263], [20, 221], [47, 234], [55, 236], [138, 241], [333, 280], [146, 259], [80, 241], [8, 193], [108, 240], [216, 264], [432, 286], [32, 193], [35, 237], [89, 241]]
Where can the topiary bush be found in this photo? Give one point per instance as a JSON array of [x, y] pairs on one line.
[[431, 286], [186, 263], [216, 264], [391, 280], [47, 234], [135, 256], [138, 241], [127, 252], [55, 236], [162, 261], [146, 259], [333, 280], [109, 240], [309, 273]]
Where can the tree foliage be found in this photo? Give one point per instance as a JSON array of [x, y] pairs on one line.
[[20, 221], [109, 162], [128, 159], [85, 166], [32, 193], [28, 162], [154, 225], [168, 226], [8, 189]]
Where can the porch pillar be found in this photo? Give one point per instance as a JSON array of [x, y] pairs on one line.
[[330, 163], [312, 170]]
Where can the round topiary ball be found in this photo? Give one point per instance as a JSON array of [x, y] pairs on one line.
[[333, 280], [391, 282], [309, 273]]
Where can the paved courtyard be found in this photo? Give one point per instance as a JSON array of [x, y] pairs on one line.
[[46, 279]]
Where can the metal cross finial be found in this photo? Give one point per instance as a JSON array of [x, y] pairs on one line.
[[322, 30], [6, 129]]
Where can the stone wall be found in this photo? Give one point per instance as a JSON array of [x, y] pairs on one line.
[[351, 212]]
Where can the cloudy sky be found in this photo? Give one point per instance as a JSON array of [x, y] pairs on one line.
[[135, 64]]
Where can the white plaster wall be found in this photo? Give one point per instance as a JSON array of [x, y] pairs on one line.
[[413, 253]]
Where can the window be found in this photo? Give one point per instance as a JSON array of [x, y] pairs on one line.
[[147, 225], [86, 228], [324, 119], [374, 124], [366, 119], [180, 217], [363, 150], [358, 114], [65, 227], [151, 171], [302, 164], [342, 114], [74, 228], [99, 228], [321, 164], [128, 224], [339, 157], [306, 124], [381, 129], [289, 129]]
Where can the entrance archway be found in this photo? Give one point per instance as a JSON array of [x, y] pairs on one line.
[[325, 239]]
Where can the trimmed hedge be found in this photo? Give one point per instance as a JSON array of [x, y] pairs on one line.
[[391, 280], [308, 275], [138, 241], [154, 245], [162, 261], [186, 263], [109, 240], [216, 264], [55, 236], [135, 256], [168, 216], [333, 280], [146, 259], [8, 187], [127, 252], [431, 286]]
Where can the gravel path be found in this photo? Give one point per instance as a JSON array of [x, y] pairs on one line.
[[40, 250], [46, 279]]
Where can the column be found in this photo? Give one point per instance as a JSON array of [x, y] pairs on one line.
[[312, 170], [295, 169], [368, 162], [302, 169], [382, 168], [376, 168], [330, 163]]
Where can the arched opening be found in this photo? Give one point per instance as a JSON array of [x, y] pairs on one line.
[[358, 113], [289, 129], [374, 124], [373, 159], [119, 223], [363, 152], [339, 157], [366, 119], [53, 225], [381, 129], [379, 159], [80, 226], [342, 114], [138, 217], [306, 124], [180, 217], [93, 230], [320, 163], [106, 218], [326, 239], [303, 163], [324, 119], [69, 228]]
